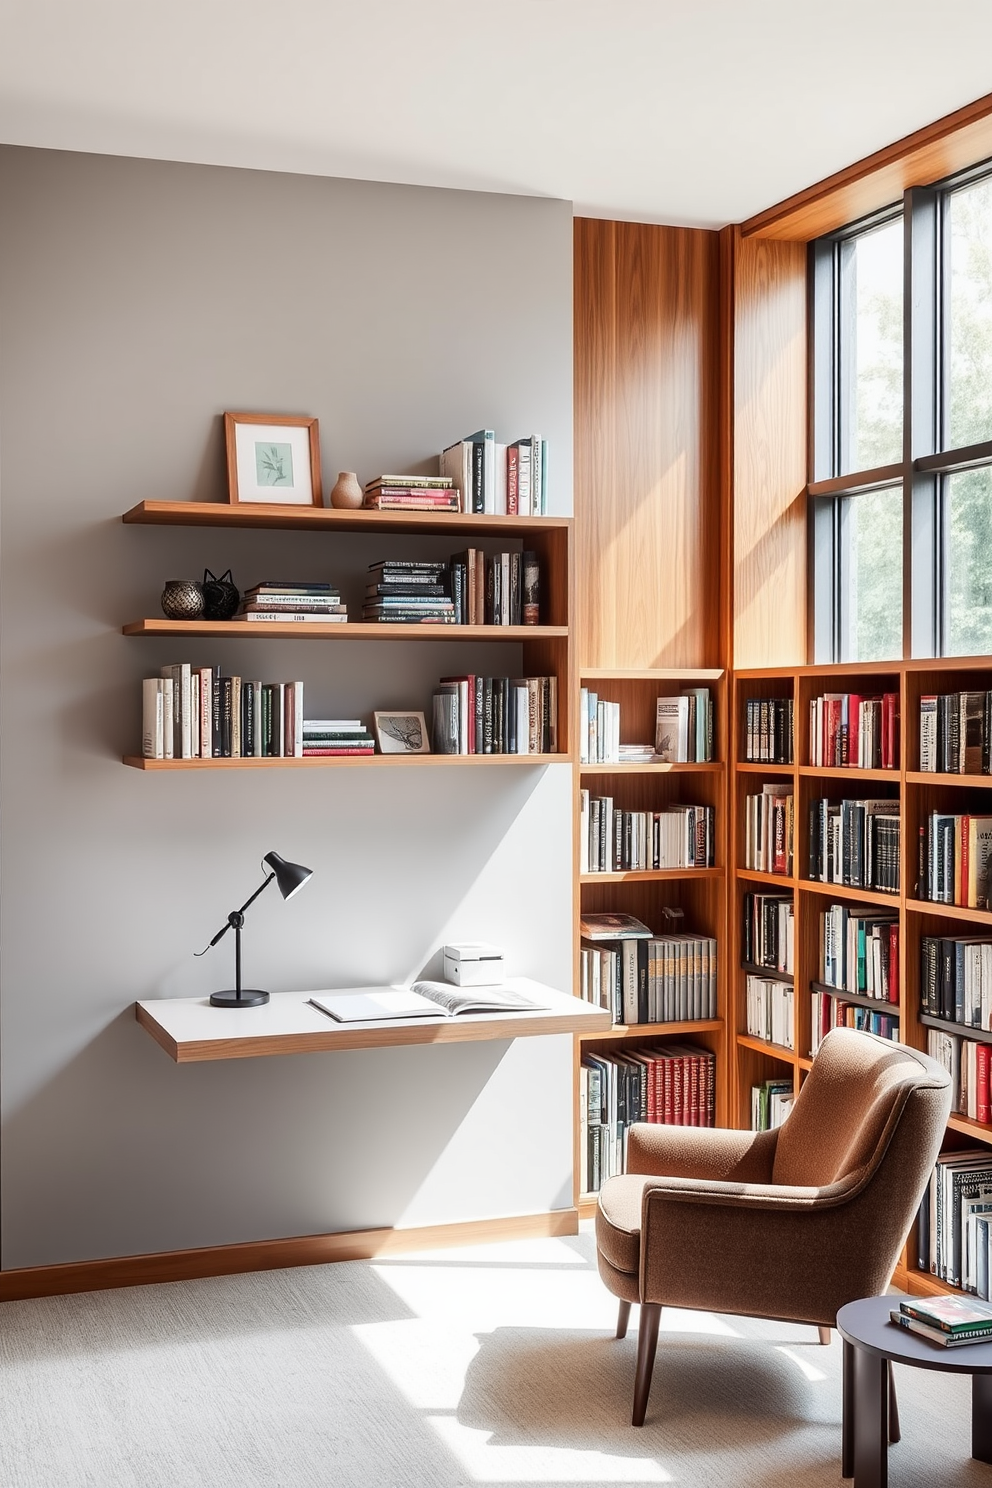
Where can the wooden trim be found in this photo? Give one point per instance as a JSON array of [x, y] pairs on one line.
[[950, 144], [271, 1255], [349, 630], [328, 519]]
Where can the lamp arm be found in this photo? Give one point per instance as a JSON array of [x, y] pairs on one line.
[[236, 918]]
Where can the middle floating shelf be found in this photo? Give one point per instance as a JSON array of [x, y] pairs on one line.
[[351, 631]]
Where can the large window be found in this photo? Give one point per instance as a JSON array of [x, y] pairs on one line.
[[901, 478]]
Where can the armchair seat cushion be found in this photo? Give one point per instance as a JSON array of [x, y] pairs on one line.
[[618, 1222]]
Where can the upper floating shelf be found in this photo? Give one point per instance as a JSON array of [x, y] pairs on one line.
[[327, 519], [351, 630]]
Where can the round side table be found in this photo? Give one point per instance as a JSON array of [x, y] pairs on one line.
[[871, 1344]]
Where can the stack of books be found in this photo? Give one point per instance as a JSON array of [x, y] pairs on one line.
[[949, 1321], [412, 493], [956, 733], [333, 736], [408, 593], [288, 600], [503, 480]]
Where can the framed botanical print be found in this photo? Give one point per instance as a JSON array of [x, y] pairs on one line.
[[273, 458]]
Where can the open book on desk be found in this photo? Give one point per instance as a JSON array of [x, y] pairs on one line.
[[422, 1000]]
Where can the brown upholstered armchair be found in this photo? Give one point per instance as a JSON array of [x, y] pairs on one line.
[[787, 1224]]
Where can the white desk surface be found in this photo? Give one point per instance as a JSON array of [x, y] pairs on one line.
[[190, 1030]]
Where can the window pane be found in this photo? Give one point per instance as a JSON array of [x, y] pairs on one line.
[[871, 576], [968, 563], [871, 329], [969, 323]]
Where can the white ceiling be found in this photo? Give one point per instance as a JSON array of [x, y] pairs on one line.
[[681, 111]]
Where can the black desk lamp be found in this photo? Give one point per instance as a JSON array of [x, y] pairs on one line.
[[290, 877]]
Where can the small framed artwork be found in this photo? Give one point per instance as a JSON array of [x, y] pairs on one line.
[[402, 733], [273, 458]]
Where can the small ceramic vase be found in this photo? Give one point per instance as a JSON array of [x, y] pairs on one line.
[[346, 493], [182, 599]]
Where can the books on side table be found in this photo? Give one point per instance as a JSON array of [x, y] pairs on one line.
[[947, 1321]]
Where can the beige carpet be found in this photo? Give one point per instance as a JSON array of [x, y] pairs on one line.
[[491, 1365]]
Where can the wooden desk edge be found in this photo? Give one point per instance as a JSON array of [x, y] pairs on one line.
[[343, 1037]]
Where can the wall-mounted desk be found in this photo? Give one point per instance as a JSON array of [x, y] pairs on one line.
[[190, 1030]]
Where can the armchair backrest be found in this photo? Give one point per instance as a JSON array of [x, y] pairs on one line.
[[850, 1104]]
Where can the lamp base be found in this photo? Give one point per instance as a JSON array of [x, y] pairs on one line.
[[249, 997]]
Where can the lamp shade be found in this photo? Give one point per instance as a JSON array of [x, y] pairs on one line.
[[289, 876]]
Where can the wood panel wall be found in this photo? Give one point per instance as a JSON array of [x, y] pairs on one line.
[[647, 467], [769, 453]]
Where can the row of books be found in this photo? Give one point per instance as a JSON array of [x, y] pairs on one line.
[[846, 729], [615, 841], [768, 830], [830, 1011], [673, 1085], [197, 713], [652, 979], [954, 853], [768, 931], [768, 731], [769, 1011], [495, 715], [969, 1064], [771, 1102], [683, 730], [956, 733], [859, 951], [956, 979], [502, 480], [291, 601], [855, 843], [953, 1226]]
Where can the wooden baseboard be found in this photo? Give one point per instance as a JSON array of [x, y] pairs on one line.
[[274, 1255]]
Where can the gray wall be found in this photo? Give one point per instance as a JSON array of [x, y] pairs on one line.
[[138, 300]]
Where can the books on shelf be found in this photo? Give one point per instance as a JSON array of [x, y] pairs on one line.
[[612, 840], [769, 1011], [768, 830], [829, 1010], [499, 479], [470, 588], [197, 713], [768, 731], [855, 843], [289, 601], [409, 593], [859, 951], [954, 855], [967, 1062], [336, 736], [847, 729], [613, 925], [956, 733], [684, 727], [661, 979], [771, 1103], [953, 1231], [768, 931], [956, 979], [495, 715], [673, 1084], [412, 493]]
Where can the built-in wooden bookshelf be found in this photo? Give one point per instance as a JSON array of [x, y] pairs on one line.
[[543, 650], [917, 793], [699, 892]]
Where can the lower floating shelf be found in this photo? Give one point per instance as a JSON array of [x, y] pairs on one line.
[[364, 762]]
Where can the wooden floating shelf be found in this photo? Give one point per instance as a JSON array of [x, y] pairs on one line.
[[622, 1031], [848, 891], [761, 1046], [950, 911], [363, 762], [350, 631], [759, 767], [777, 880], [328, 519], [932, 777], [651, 875], [647, 768], [876, 1004], [848, 772]]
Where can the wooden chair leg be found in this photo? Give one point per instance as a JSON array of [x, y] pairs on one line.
[[824, 1334], [894, 1434], [647, 1343], [623, 1318]]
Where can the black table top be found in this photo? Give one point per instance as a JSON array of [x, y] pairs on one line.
[[866, 1324]]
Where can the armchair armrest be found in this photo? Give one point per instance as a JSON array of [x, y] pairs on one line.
[[704, 1152]]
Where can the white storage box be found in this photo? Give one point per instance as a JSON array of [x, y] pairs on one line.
[[474, 963]]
